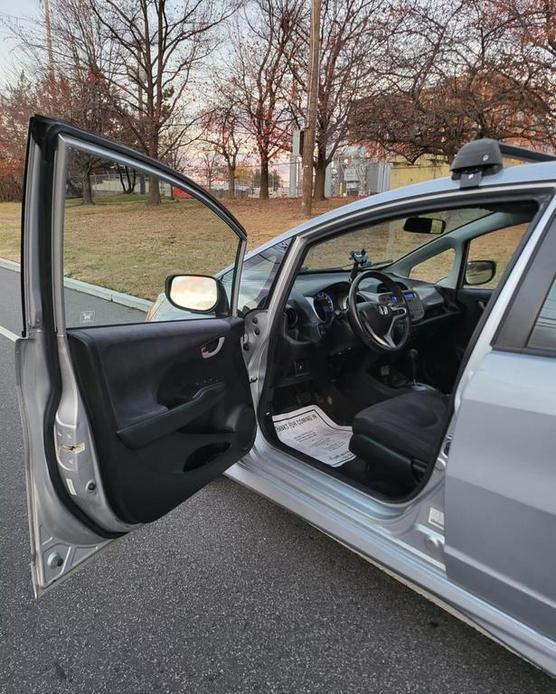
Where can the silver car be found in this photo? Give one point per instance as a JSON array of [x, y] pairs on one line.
[[386, 371]]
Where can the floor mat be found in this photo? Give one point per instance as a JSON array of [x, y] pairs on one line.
[[310, 431]]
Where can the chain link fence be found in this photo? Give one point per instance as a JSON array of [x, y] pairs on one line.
[[346, 176]]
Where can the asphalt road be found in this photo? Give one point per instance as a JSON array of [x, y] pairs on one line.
[[226, 594]]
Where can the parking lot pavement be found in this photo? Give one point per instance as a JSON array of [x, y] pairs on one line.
[[227, 593], [10, 301]]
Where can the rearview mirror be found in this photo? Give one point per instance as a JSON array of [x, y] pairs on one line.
[[424, 225], [479, 272], [197, 293]]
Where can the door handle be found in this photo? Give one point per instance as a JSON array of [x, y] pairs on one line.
[[207, 352]]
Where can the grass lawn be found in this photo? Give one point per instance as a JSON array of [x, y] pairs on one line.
[[122, 243], [10, 230]]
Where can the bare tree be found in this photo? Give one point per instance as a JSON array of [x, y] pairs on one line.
[[74, 76], [260, 75], [18, 102], [210, 166], [223, 130], [460, 72], [530, 56], [128, 178], [157, 47]]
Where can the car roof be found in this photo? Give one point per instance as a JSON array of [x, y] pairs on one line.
[[522, 174]]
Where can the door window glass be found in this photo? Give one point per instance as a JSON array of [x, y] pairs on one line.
[[126, 231], [499, 246], [434, 269], [257, 276]]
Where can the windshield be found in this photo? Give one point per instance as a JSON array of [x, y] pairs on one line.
[[257, 277], [387, 241]]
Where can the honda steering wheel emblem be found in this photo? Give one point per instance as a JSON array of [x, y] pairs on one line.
[[383, 309]]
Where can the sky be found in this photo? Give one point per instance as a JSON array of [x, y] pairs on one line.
[[25, 12]]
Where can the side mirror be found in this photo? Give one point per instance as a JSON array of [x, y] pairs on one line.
[[479, 272], [424, 225], [196, 293]]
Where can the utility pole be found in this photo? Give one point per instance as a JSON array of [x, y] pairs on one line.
[[312, 103], [49, 47]]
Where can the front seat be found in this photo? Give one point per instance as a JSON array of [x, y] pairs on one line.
[[399, 436]]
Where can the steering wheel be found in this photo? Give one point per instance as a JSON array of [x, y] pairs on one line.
[[374, 322]]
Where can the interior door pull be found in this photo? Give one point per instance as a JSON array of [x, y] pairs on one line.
[[169, 420], [216, 345]]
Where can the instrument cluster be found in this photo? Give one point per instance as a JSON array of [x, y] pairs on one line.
[[324, 305]]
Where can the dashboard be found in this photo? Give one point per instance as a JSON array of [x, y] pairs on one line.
[[318, 298]]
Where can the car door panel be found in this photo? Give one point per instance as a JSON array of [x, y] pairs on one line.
[[500, 488], [500, 509], [166, 420], [122, 422]]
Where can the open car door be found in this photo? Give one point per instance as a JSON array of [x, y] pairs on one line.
[[124, 418]]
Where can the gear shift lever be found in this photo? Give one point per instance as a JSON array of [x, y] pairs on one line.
[[413, 355]]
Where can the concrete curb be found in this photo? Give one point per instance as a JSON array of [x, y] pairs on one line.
[[9, 265], [92, 289]]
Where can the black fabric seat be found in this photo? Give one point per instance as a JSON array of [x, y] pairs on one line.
[[400, 435]]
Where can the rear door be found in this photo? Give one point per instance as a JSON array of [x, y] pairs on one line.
[[501, 473], [124, 417]]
